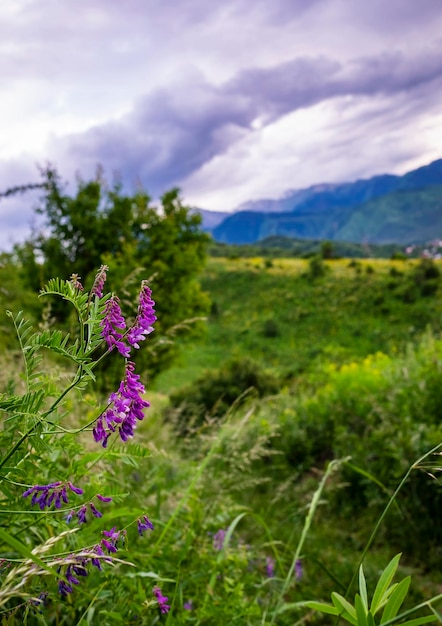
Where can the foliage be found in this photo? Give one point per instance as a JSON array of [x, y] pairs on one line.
[[255, 521], [212, 395], [387, 596], [348, 314], [99, 225]]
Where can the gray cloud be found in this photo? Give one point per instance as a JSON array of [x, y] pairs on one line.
[[171, 133]]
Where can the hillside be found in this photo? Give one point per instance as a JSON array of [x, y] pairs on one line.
[[382, 209]]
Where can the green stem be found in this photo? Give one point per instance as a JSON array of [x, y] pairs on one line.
[[384, 514]]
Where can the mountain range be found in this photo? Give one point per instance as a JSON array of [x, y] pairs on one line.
[[382, 209]]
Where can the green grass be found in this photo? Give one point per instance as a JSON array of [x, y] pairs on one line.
[[349, 313]]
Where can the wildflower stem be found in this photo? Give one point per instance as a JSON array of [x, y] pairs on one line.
[[384, 513]]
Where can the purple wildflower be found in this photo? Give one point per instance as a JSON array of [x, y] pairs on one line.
[[94, 510], [188, 606], [112, 537], [82, 515], [145, 318], [218, 539], [64, 588], [75, 280], [53, 493], [126, 407], [144, 523], [104, 498], [298, 569], [162, 600], [111, 324], [100, 279], [270, 567]]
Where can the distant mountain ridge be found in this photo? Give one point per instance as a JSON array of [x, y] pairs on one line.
[[382, 209]]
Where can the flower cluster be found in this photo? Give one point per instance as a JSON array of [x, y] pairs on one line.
[[76, 282], [53, 493], [112, 323], [145, 318], [76, 565], [100, 279], [125, 408], [143, 524], [218, 539], [81, 513], [162, 600], [270, 567]]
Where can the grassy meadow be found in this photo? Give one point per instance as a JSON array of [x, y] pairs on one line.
[[271, 450]]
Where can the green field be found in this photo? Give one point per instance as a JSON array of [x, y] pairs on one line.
[[272, 448]]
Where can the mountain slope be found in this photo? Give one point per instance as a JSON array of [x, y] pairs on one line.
[[381, 209]]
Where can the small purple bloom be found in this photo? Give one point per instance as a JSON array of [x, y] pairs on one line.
[[81, 515], [144, 523], [100, 279], [270, 567], [145, 318], [218, 539], [298, 569], [76, 490], [188, 606], [162, 600], [75, 281], [94, 510], [104, 498], [63, 588], [112, 538]]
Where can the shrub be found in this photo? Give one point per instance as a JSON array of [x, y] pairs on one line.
[[212, 395]]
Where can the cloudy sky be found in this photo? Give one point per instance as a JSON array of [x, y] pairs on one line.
[[232, 100]]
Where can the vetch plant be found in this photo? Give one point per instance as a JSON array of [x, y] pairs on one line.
[[44, 460], [388, 597]]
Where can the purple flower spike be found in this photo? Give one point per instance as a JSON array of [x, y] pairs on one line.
[[144, 523], [126, 408], [188, 606], [162, 600], [100, 279], [218, 539], [111, 325], [53, 493], [75, 280], [145, 319], [270, 567]]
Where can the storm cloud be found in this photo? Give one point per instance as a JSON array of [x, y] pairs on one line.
[[231, 101]]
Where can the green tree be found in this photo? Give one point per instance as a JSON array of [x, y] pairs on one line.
[[101, 224]]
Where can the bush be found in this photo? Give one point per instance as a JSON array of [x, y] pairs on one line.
[[212, 395]]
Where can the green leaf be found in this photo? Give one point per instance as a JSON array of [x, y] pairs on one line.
[[363, 588], [420, 620], [346, 610], [361, 611], [323, 608], [395, 601], [24, 550], [380, 593]]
